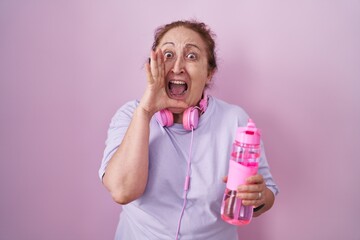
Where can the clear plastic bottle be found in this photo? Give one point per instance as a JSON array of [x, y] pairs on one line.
[[243, 164]]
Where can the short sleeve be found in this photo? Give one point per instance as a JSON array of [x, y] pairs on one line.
[[264, 170], [116, 132]]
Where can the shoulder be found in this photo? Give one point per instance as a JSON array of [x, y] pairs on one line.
[[128, 107], [229, 110], [125, 112], [227, 107]]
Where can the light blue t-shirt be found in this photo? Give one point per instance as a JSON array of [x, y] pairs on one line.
[[155, 214]]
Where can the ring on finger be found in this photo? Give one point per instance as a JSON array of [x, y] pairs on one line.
[[260, 195]]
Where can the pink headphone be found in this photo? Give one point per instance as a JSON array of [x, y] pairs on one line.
[[190, 116]]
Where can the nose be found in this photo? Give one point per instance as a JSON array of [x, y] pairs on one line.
[[178, 66]]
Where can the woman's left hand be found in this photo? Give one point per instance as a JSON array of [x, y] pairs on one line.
[[255, 193], [252, 192]]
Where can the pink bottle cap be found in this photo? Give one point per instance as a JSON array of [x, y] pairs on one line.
[[249, 134]]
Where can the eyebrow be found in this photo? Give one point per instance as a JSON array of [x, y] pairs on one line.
[[187, 45], [171, 43]]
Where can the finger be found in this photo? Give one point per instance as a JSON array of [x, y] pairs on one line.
[[255, 199], [225, 179], [160, 64], [254, 196], [159, 56], [154, 65], [254, 203], [256, 179], [251, 188], [148, 73]]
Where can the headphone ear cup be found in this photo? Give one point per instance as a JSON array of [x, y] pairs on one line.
[[191, 118], [165, 118]]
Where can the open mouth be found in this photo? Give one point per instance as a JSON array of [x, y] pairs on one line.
[[177, 88]]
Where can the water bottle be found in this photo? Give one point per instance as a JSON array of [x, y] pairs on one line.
[[243, 164]]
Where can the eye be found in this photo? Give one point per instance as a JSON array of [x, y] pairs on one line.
[[191, 56], [168, 55]]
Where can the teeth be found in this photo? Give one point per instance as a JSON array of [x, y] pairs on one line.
[[177, 82]]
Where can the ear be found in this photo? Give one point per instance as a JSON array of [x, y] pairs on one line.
[[210, 76]]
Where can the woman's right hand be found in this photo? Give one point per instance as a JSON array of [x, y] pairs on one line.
[[155, 97]]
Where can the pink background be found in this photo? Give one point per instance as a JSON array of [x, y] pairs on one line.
[[66, 66]]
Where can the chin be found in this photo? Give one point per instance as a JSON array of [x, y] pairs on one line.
[[176, 110]]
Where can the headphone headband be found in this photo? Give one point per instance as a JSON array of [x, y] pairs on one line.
[[204, 102]]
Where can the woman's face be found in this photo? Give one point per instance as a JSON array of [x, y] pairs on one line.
[[186, 65]]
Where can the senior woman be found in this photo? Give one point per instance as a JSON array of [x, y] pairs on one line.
[[166, 155]]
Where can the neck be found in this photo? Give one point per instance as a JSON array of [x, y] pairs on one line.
[[178, 118]]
